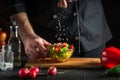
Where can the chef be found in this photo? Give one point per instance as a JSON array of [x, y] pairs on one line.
[[42, 23]]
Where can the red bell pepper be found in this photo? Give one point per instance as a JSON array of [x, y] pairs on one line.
[[110, 57]]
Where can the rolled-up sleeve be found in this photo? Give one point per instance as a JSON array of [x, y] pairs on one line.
[[14, 6]]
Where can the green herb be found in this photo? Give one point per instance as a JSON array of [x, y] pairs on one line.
[[113, 71]]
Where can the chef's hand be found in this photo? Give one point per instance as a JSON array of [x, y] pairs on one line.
[[63, 3], [35, 47]]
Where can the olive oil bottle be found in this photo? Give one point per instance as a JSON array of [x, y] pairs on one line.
[[15, 43]]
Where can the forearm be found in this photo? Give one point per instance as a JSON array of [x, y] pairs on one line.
[[25, 28]]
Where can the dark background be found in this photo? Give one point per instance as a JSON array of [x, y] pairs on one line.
[[112, 13]]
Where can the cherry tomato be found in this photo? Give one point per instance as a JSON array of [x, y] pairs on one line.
[[57, 48], [71, 46], [23, 73], [64, 44], [52, 70], [35, 69]]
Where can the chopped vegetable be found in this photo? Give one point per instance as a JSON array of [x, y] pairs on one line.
[[61, 51]]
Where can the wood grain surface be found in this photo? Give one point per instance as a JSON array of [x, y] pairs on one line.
[[71, 63]]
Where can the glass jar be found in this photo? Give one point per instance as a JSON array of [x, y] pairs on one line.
[[6, 58]]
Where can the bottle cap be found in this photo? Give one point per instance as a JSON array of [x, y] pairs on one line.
[[13, 22]]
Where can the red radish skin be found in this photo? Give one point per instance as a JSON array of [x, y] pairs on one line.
[[23, 73], [32, 74], [36, 69], [52, 70]]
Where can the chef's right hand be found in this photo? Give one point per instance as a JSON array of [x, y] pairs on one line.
[[63, 3], [36, 47]]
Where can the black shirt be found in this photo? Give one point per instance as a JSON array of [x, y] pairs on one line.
[[46, 19]]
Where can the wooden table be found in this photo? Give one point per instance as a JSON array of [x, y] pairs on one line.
[[80, 73]]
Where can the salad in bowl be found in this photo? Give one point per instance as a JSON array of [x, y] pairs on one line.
[[60, 52]]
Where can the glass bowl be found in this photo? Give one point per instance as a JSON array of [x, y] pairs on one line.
[[60, 52]]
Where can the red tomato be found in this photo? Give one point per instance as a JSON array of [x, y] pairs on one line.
[[32, 74], [52, 70], [35, 69], [57, 48], [71, 46], [64, 44], [23, 73], [3, 36]]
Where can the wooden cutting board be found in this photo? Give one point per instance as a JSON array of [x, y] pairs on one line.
[[71, 63]]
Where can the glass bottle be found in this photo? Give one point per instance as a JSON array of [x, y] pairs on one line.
[[15, 43]]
